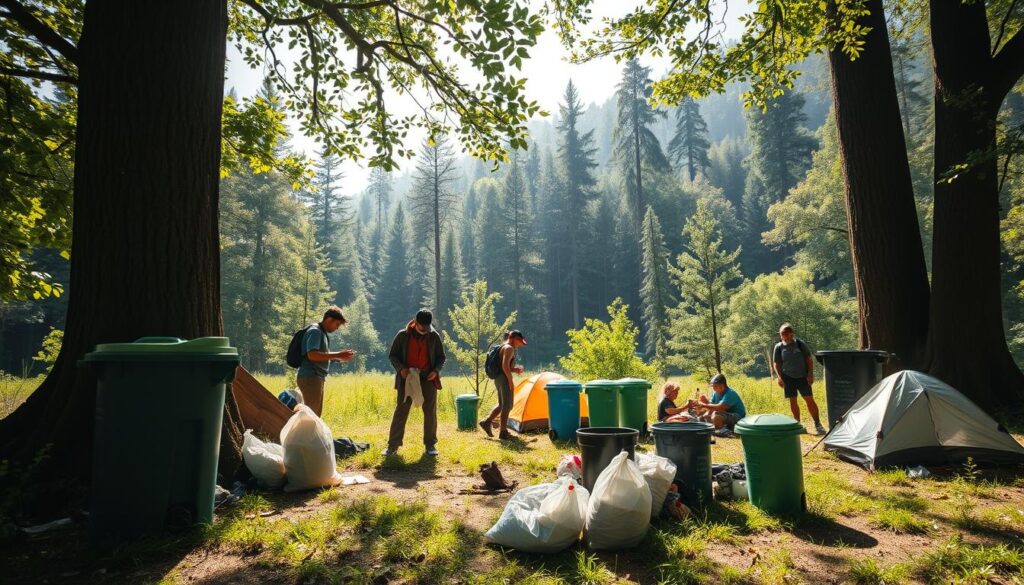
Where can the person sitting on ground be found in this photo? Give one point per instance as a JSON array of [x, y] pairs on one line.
[[725, 407], [667, 409]]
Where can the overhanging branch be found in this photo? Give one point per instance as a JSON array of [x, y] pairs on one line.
[[41, 75], [40, 30]]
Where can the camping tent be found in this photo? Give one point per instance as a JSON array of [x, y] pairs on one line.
[[530, 407], [910, 418]]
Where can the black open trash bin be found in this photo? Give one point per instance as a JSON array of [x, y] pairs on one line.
[[849, 374]]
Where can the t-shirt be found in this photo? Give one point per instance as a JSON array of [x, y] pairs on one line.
[[732, 399], [663, 404], [793, 357], [314, 340]]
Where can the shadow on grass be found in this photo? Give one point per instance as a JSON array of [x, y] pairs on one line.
[[407, 474], [824, 531]]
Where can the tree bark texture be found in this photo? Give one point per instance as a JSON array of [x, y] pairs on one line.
[[889, 268], [145, 245], [966, 343]]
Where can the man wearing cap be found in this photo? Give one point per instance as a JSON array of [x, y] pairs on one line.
[[725, 407], [416, 351], [504, 385], [794, 369]]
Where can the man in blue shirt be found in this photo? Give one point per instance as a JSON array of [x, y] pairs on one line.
[[725, 407], [317, 357]]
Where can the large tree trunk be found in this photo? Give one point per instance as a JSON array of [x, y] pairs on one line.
[[145, 242], [966, 343], [885, 243]]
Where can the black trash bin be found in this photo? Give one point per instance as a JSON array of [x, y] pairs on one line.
[[688, 445], [599, 445], [849, 374]]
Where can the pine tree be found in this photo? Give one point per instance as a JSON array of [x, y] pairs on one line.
[[656, 291], [378, 194], [520, 220], [690, 143], [467, 236], [726, 170], [636, 146], [361, 335], [533, 176], [493, 239], [398, 296], [474, 328], [333, 219], [431, 202], [454, 280], [703, 276]]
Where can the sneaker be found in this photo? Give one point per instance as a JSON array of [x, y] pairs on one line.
[[486, 426], [389, 452], [820, 430], [432, 451]]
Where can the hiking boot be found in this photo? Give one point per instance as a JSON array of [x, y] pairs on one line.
[[432, 451], [486, 426], [819, 430], [506, 436], [389, 452]]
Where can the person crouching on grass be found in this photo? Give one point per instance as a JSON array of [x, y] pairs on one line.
[[725, 407], [667, 409]]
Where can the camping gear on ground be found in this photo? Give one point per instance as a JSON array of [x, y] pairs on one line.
[[659, 472], [530, 405], [632, 406], [264, 460], [563, 409], [544, 518], [308, 452], [466, 410], [291, 397], [163, 396], [602, 403], [619, 511], [688, 445], [570, 465], [493, 480], [674, 507], [354, 480], [599, 445], [918, 471], [910, 418], [259, 409], [773, 463], [849, 374], [346, 447], [725, 480]]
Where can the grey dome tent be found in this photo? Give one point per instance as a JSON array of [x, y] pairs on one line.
[[910, 418]]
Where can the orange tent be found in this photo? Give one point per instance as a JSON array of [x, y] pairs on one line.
[[530, 407]]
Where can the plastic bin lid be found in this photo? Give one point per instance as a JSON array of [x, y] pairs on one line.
[[851, 352], [603, 384], [682, 427], [769, 424], [202, 348], [467, 398], [566, 384], [633, 382]]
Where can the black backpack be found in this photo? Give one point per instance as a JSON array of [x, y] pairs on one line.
[[492, 365], [295, 353]]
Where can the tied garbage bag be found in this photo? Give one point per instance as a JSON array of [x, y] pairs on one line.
[[308, 452], [620, 506], [544, 518], [264, 460], [570, 465], [659, 473]]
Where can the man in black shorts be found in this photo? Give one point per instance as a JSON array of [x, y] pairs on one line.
[[794, 369]]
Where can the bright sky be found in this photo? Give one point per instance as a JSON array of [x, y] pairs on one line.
[[546, 71]]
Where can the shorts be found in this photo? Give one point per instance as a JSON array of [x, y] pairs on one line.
[[793, 385], [504, 393], [731, 418]]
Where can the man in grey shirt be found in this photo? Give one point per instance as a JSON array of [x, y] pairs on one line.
[[317, 357], [794, 368]]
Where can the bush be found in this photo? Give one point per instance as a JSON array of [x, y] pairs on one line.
[[607, 350]]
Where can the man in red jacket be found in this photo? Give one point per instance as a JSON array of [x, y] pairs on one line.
[[416, 350]]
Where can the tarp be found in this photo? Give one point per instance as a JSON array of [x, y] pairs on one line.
[[530, 407], [260, 410], [911, 418]]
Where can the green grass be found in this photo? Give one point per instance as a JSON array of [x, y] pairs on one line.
[[869, 572], [900, 521], [959, 561]]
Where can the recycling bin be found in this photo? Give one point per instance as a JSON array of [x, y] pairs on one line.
[[563, 409], [774, 463], [849, 374]]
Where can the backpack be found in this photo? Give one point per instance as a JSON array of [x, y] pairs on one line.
[[492, 365], [295, 353]]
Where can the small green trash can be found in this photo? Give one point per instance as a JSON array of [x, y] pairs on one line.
[[602, 403], [466, 409], [159, 409], [633, 404], [771, 451]]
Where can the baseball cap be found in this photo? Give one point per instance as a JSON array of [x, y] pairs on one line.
[[517, 333]]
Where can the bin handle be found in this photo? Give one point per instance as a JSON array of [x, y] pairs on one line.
[[158, 340]]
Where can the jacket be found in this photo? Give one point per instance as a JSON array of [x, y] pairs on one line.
[[400, 351]]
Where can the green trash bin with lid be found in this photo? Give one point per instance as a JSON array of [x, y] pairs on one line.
[[602, 403], [156, 441], [466, 408], [771, 452], [633, 404]]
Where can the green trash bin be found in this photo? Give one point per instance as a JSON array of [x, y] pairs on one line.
[[602, 403], [633, 404], [466, 408], [159, 409], [771, 451]]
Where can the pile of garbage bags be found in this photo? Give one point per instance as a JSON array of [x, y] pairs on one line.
[[549, 517], [304, 459]]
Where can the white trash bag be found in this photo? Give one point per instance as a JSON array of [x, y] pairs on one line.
[[544, 518], [570, 465], [659, 472], [308, 452], [264, 460], [620, 506]]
